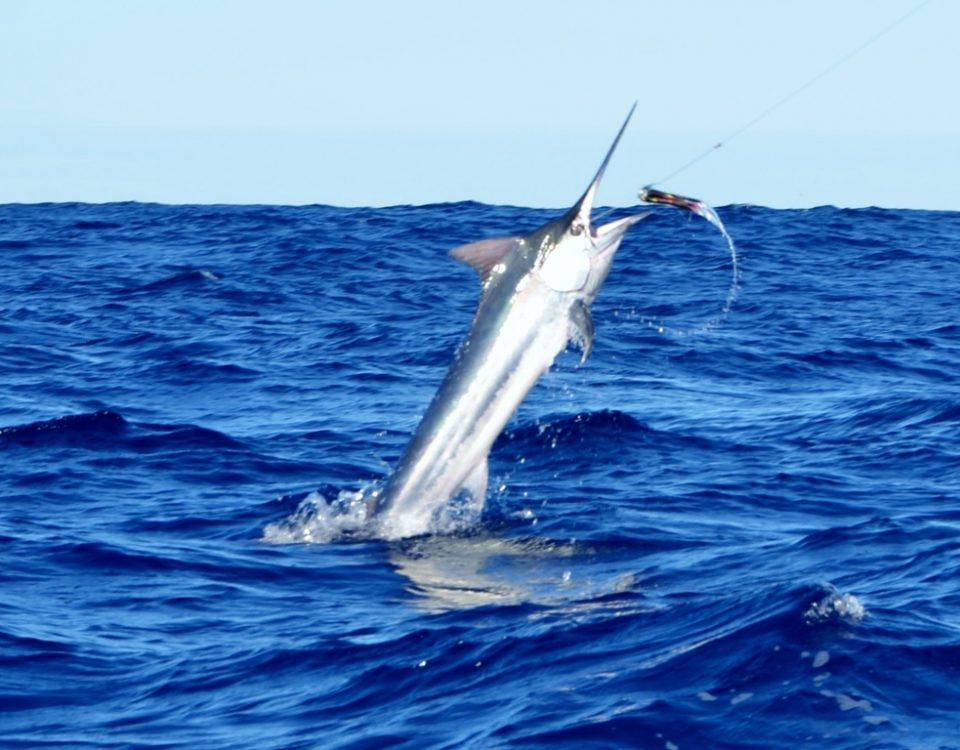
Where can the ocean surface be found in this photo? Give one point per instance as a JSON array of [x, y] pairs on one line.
[[737, 534]]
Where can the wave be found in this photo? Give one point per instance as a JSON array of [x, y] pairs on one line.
[[109, 427], [95, 224], [181, 279], [605, 429], [15, 244], [104, 424], [572, 429]]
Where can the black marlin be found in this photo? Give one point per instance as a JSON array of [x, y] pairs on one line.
[[536, 297]]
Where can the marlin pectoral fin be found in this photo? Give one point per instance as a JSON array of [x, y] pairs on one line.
[[484, 255], [581, 325]]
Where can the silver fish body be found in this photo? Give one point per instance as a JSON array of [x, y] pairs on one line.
[[537, 290]]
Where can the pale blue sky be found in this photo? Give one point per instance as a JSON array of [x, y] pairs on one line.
[[375, 103]]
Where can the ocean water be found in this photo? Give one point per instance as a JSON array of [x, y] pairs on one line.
[[744, 535]]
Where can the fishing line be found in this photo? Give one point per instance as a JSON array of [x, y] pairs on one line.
[[649, 194], [796, 92]]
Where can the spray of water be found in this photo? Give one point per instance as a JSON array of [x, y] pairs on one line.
[[702, 209]]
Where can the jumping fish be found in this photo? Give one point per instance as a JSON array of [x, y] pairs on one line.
[[536, 295]]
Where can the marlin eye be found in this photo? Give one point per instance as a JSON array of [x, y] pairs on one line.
[[576, 229]]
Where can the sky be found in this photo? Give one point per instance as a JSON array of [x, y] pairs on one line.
[[379, 103]]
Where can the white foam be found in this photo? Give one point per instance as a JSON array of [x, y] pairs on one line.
[[847, 702], [319, 521], [836, 606]]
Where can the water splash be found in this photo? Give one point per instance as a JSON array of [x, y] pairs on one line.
[[704, 210], [318, 520], [836, 606]]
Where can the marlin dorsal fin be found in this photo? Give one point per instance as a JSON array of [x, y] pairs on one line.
[[483, 255]]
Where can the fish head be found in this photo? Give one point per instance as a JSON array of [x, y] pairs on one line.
[[568, 254], [574, 255]]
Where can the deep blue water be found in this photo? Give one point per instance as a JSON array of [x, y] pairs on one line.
[[743, 538]]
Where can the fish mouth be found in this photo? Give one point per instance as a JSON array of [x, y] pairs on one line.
[[606, 238]]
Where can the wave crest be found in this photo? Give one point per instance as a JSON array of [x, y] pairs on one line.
[[81, 426]]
